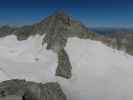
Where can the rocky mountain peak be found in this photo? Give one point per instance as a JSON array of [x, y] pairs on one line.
[[60, 26], [59, 15]]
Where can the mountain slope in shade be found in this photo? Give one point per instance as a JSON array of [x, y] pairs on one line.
[[98, 72]]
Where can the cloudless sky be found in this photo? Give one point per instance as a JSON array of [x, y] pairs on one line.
[[93, 13]]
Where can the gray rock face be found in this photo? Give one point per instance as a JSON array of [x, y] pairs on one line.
[[64, 68], [6, 30], [12, 87], [53, 92], [32, 90], [119, 40], [61, 26], [56, 31]]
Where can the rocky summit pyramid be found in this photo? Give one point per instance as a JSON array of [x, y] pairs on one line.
[[59, 27]]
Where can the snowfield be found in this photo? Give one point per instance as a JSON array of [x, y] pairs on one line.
[[27, 59], [99, 72]]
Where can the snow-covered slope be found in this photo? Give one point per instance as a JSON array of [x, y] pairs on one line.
[[99, 72], [27, 59]]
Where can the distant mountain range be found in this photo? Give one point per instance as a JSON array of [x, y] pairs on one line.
[[108, 30]]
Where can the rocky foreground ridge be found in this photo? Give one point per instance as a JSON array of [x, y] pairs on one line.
[[31, 91]]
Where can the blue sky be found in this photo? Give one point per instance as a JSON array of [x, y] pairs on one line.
[[93, 13]]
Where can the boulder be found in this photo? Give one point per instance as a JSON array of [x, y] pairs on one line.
[[64, 68], [31, 90]]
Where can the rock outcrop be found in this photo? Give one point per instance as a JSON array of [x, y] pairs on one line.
[[64, 68], [31, 90]]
